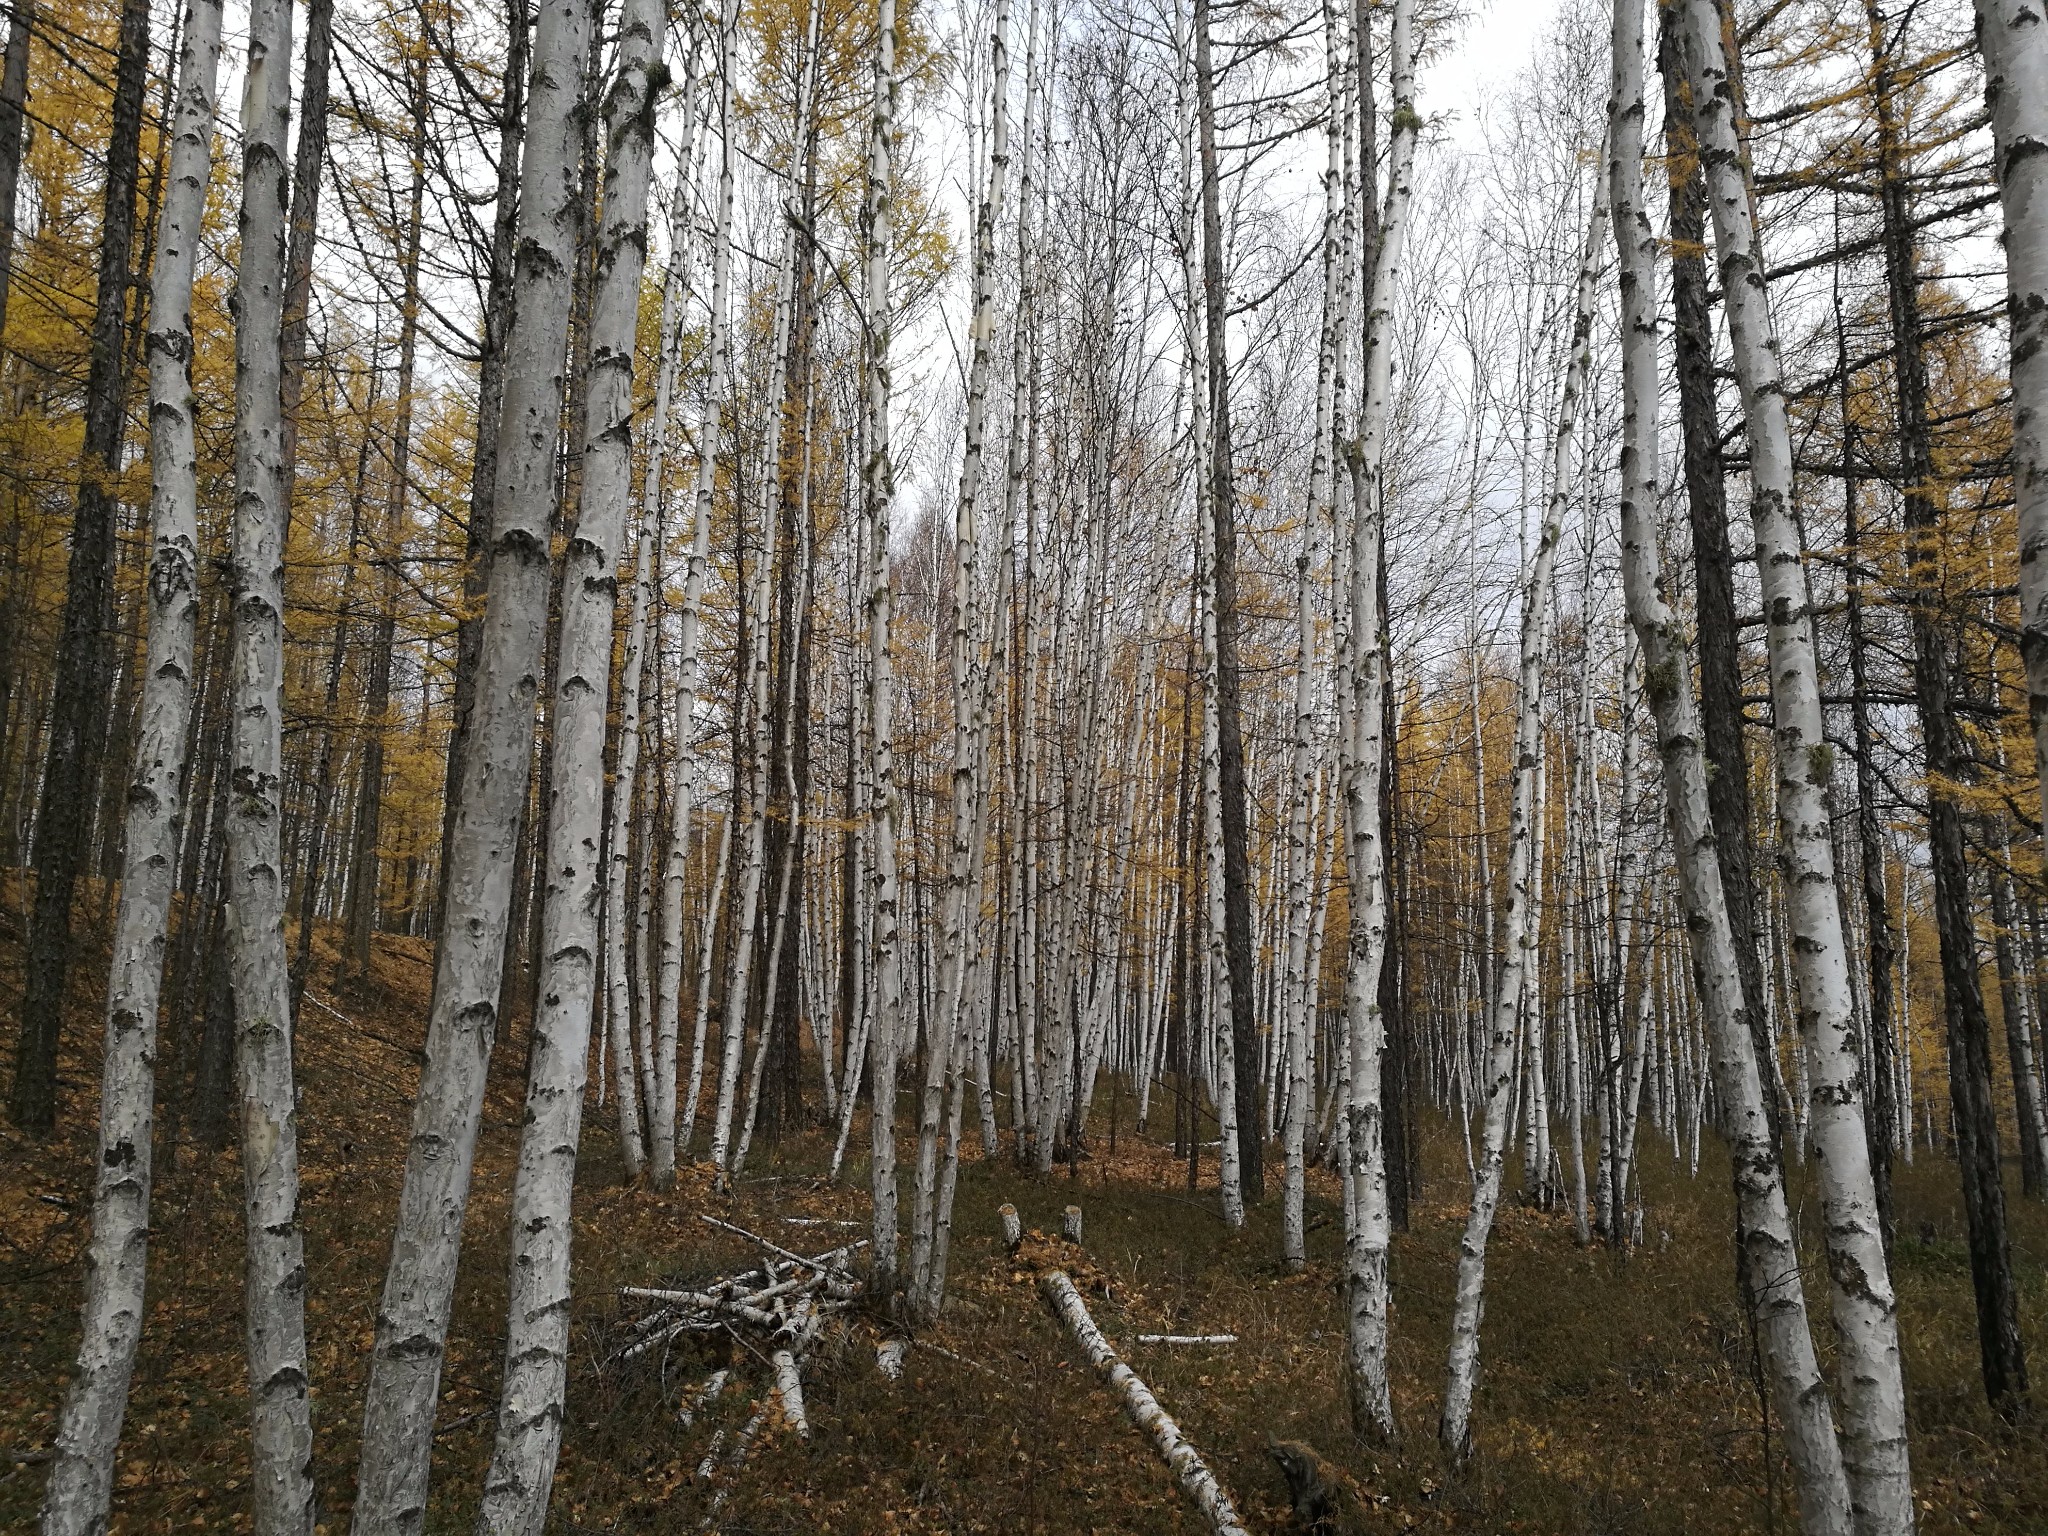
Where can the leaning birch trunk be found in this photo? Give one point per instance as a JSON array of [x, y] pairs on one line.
[[529, 1433], [668, 991], [2014, 43], [275, 1309], [879, 491], [1365, 664], [419, 1286], [1455, 1428], [1766, 1253], [1873, 1399], [89, 1427], [1142, 1408], [618, 983], [959, 922]]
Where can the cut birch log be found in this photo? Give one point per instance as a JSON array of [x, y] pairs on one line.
[[1013, 1229], [1192, 1473], [705, 1395], [1187, 1338], [889, 1355], [789, 1387], [1070, 1224]]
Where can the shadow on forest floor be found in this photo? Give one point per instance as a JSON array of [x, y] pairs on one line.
[[1615, 1397]]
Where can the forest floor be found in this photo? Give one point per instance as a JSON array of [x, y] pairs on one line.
[[1616, 1396]]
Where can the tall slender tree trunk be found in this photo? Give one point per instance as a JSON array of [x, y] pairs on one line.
[[1706, 504], [668, 994], [960, 904], [365, 886], [1223, 537], [879, 494], [1767, 1255], [500, 295], [1361, 686], [530, 1404], [1873, 1404], [2014, 42], [89, 1427], [419, 1286], [1518, 928], [2000, 1348], [21, 22], [275, 1305], [85, 653]]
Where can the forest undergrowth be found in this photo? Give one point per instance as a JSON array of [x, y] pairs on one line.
[[1619, 1395]]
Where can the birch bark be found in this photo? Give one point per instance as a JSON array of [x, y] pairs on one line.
[[419, 1286], [530, 1403], [959, 923], [668, 994], [879, 493], [95, 1404], [1873, 1423], [1766, 1253], [2013, 37], [1362, 686], [275, 1307]]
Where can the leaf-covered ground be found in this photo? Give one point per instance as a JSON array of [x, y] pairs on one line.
[[1616, 1397]]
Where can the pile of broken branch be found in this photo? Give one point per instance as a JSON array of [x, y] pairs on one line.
[[777, 1310]]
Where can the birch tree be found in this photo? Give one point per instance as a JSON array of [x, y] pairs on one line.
[[1873, 1402], [530, 1404], [419, 1285], [879, 493], [1517, 936], [89, 1426], [1767, 1255], [1363, 686], [2013, 37]]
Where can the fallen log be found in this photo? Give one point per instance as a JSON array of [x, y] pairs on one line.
[[1193, 1474], [1187, 1338]]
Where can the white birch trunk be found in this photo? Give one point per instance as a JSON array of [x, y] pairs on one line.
[[1362, 688], [1873, 1400], [530, 1402], [2014, 42], [668, 994], [958, 924], [879, 490], [419, 1286], [274, 1319], [1767, 1255], [1454, 1429], [618, 992], [89, 1426], [1142, 1408]]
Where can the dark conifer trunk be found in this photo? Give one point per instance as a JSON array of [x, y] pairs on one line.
[[1237, 909], [84, 664]]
